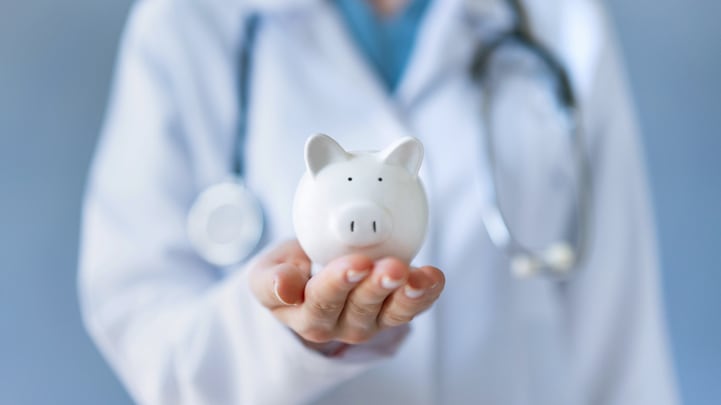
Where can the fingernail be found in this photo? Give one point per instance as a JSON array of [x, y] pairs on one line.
[[277, 294], [434, 286], [412, 292], [355, 276], [389, 283]]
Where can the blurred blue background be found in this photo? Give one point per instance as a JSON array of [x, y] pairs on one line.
[[56, 59]]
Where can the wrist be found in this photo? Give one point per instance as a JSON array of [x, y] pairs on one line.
[[328, 349]]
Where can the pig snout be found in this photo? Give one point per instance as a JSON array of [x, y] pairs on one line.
[[361, 224]]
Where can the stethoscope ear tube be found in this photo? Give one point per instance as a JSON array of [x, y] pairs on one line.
[[559, 259]]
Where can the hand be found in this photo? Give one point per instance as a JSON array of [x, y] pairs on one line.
[[349, 301]]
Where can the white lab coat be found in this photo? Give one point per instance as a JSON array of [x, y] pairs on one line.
[[178, 331]]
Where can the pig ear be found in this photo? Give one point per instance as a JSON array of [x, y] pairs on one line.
[[322, 150], [406, 152]]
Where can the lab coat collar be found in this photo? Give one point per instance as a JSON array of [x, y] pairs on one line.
[[480, 10], [453, 28], [275, 6], [449, 33]]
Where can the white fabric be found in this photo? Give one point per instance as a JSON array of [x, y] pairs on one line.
[[178, 331]]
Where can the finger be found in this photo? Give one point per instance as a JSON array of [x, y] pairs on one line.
[[280, 285], [422, 290], [289, 251], [327, 291], [359, 318]]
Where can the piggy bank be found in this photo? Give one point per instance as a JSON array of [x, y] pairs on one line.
[[371, 203]]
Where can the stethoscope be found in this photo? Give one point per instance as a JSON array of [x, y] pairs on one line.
[[225, 224]]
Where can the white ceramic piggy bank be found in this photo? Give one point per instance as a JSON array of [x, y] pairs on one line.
[[371, 203]]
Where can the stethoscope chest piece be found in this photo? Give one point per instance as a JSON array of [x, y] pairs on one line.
[[225, 223]]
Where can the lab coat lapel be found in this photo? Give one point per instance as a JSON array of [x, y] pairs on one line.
[[338, 50], [434, 51]]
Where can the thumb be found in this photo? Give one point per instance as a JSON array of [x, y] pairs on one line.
[[279, 284]]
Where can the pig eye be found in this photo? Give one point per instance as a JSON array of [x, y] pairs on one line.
[[350, 178], [380, 179]]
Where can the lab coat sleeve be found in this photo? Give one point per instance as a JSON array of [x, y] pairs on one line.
[[176, 330], [619, 339]]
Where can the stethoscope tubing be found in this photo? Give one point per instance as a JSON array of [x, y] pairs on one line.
[[495, 221]]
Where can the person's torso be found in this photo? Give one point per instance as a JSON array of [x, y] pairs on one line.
[[490, 338]]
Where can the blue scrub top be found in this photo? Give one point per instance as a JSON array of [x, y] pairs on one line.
[[385, 41]]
